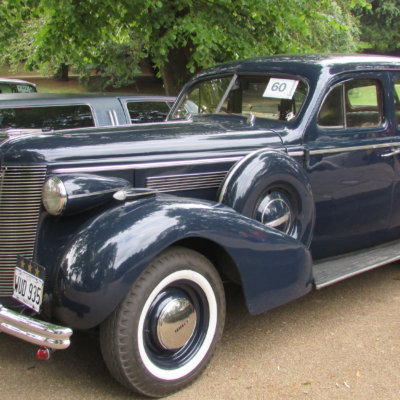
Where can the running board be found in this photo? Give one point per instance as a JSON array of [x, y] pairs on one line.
[[336, 269]]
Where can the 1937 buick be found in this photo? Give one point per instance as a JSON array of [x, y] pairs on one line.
[[284, 177]]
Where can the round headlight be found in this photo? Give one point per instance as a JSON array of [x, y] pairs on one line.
[[54, 195]]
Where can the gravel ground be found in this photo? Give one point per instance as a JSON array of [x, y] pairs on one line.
[[338, 343]]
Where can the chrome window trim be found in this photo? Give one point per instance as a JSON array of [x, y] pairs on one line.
[[115, 117], [122, 167], [111, 116], [75, 196], [231, 83]]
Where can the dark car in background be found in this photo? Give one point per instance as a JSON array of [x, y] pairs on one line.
[[9, 85], [48, 111], [280, 174]]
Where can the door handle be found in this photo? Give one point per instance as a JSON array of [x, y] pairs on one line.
[[393, 152]]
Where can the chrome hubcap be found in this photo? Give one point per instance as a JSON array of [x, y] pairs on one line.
[[176, 324]]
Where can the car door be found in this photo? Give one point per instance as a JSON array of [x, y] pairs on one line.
[[394, 154], [347, 146]]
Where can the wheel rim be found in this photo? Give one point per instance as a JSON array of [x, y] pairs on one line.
[[171, 356], [175, 323]]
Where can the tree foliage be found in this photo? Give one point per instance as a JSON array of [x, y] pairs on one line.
[[380, 26], [181, 36]]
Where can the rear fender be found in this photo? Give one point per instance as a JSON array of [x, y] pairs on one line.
[[104, 259]]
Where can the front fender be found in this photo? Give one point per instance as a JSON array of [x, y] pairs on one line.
[[104, 259]]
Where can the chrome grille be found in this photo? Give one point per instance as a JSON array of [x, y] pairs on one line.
[[172, 183], [20, 202]]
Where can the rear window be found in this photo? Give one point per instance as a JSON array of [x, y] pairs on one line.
[[147, 111], [46, 118]]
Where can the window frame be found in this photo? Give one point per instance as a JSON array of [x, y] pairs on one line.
[[345, 128], [30, 106], [270, 74]]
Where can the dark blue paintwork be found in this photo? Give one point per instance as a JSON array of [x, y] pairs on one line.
[[106, 256], [265, 171], [85, 191], [355, 194]]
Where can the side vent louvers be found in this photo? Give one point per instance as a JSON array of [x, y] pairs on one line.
[[20, 202], [173, 183]]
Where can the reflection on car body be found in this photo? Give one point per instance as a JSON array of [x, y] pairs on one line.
[[280, 174], [47, 111]]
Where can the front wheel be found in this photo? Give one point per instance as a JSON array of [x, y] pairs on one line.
[[165, 331]]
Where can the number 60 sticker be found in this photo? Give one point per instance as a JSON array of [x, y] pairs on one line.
[[281, 88]]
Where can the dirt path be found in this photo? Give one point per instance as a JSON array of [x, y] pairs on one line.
[[342, 342]]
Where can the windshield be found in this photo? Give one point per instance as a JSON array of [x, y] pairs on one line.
[[270, 97]]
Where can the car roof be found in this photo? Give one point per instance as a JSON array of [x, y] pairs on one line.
[[306, 65], [58, 98], [13, 80]]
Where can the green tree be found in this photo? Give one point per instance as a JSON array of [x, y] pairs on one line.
[[181, 36], [380, 26]]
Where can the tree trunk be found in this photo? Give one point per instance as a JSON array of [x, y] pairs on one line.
[[62, 73], [174, 71]]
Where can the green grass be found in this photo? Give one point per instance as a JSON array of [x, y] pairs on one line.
[[363, 96]]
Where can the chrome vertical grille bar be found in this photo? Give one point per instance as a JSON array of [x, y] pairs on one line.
[[20, 202]]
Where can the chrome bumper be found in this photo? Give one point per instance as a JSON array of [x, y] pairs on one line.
[[33, 331]]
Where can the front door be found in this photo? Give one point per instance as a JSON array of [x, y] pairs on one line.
[[347, 144]]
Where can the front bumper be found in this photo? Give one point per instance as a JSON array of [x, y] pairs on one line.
[[33, 331]]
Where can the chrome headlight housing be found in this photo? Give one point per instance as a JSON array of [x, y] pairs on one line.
[[54, 195]]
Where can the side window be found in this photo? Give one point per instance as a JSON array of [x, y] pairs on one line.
[[147, 111], [397, 99], [4, 88], [46, 118], [331, 112], [352, 104]]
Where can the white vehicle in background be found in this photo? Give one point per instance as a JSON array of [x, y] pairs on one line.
[[16, 86]]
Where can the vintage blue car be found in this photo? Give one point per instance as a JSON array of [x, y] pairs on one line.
[[283, 177]]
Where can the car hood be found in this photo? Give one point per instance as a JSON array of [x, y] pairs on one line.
[[171, 140]]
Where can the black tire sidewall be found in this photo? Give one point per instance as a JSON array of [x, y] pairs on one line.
[[135, 374]]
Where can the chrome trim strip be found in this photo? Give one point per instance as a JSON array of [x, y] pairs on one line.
[[278, 221], [115, 117], [231, 83], [75, 196], [299, 153], [34, 331], [354, 148], [142, 194], [180, 176], [110, 114], [202, 161]]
